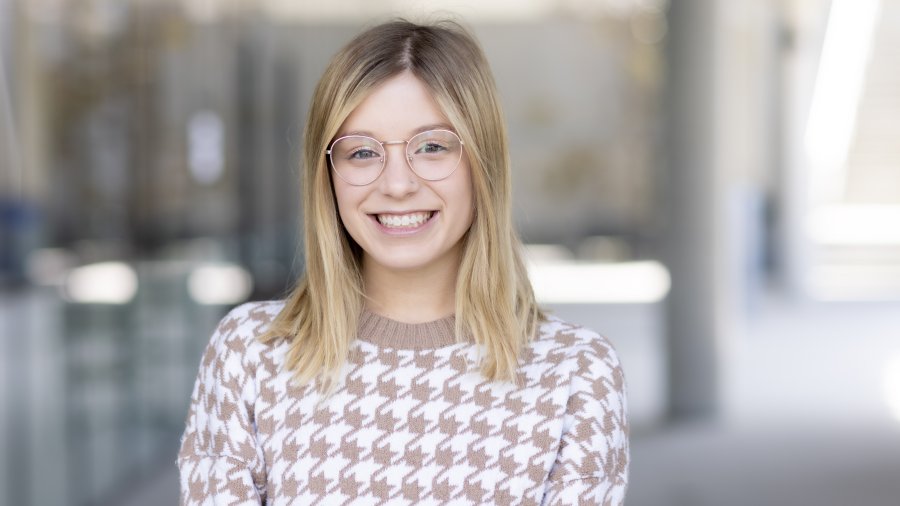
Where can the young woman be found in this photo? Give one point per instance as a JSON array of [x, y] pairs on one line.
[[411, 364]]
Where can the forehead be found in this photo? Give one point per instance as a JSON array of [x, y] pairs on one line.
[[397, 108]]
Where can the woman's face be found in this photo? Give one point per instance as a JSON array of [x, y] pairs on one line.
[[401, 221]]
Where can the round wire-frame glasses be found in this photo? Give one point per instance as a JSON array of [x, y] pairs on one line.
[[359, 159]]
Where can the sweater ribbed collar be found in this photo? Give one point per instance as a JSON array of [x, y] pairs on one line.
[[383, 331]]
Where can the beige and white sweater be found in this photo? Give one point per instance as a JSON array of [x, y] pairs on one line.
[[411, 424]]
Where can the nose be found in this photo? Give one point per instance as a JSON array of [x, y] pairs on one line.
[[397, 180]]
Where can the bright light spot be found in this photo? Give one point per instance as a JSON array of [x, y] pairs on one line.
[[101, 283], [621, 282], [220, 284], [832, 117], [547, 253], [892, 386], [206, 147], [856, 225]]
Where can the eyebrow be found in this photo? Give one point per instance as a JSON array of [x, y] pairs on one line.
[[424, 128]]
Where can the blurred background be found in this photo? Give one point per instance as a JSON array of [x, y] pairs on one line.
[[713, 184]]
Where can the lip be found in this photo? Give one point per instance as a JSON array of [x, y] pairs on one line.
[[403, 231]]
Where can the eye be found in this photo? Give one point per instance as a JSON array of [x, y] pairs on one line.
[[356, 149], [431, 147], [363, 153]]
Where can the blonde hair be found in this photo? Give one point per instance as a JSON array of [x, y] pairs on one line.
[[495, 304]]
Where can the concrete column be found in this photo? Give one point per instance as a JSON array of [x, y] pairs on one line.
[[690, 186], [718, 167]]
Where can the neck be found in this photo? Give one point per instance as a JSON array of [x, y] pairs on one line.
[[411, 296]]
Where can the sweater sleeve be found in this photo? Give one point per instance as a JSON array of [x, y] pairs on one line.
[[220, 461], [591, 466]]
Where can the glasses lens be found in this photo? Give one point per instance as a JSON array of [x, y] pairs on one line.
[[434, 154], [357, 159]]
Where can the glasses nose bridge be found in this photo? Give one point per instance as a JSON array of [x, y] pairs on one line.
[[405, 155]]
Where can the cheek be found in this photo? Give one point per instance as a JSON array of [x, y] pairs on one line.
[[343, 193], [345, 200]]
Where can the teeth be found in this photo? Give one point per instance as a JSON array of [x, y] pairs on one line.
[[403, 220]]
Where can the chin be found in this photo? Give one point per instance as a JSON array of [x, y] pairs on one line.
[[413, 259], [400, 264]]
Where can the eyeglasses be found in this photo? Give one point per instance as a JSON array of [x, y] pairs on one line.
[[359, 160]]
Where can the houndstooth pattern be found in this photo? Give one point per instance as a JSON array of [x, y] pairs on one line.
[[407, 426]]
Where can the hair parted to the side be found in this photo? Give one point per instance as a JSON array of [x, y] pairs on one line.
[[495, 304]]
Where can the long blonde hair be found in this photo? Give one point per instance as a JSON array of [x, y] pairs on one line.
[[495, 303]]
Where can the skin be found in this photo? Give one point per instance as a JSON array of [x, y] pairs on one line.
[[409, 273]]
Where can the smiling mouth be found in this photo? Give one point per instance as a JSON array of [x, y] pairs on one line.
[[408, 220]]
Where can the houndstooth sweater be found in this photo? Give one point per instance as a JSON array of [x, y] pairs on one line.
[[412, 423]]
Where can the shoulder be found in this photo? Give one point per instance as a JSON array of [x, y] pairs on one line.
[[250, 319], [575, 340], [236, 336], [581, 351]]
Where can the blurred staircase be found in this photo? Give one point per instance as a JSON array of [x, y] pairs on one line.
[[863, 259], [873, 162]]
